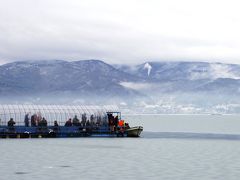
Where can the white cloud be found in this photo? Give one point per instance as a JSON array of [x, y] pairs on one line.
[[136, 86], [223, 71], [214, 71], [126, 31]]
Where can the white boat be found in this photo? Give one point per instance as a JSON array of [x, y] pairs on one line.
[[134, 131]]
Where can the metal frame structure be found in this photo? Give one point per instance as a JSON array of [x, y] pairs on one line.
[[60, 113]]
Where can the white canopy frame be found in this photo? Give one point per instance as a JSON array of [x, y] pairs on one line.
[[51, 113]]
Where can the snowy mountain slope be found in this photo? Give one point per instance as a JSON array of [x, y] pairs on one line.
[[80, 77], [168, 77], [94, 77], [183, 70], [153, 87]]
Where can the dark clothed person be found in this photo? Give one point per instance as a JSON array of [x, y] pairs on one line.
[[110, 119], [26, 120], [55, 123], [111, 122], [68, 123], [11, 122], [92, 120], [76, 121], [88, 123], [84, 119], [33, 121], [116, 120], [43, 123], [127, 126], [55, 128]]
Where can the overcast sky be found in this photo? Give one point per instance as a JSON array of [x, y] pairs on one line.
[[123, 31]]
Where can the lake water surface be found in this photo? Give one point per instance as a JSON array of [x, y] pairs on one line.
[[172, 147]]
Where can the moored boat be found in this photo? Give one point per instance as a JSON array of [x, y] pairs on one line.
[[134, 131]]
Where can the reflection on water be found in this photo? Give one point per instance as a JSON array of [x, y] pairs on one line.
[[162, 155]]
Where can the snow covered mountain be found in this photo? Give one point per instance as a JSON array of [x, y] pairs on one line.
[[157, 71], [186, 76], [165, 86], [97, 77], [90, 77]]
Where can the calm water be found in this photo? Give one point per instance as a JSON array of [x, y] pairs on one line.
[[227, 124], [185, 147]]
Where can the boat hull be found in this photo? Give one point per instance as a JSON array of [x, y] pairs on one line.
[[134, 131], [65, 132]]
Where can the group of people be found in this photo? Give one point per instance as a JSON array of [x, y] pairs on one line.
[[76, 122], [112, 122], [116, 124], [35, 120], [93, 121]]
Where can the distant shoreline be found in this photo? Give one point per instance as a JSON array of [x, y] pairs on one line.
[[179, 114]]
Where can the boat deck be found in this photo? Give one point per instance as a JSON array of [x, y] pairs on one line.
[[60, 131]]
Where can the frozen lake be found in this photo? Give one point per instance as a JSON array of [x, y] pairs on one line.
[[182, 147]]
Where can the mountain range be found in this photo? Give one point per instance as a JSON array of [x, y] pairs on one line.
[[150, 82]]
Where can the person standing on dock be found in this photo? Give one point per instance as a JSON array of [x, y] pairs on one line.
[[84, 119], [111, 122], [68, 123], [56, 126], [33, 120], [116, 121], [76, 121], [26, 120], [38, 118], [92, 120], [11, 124]]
